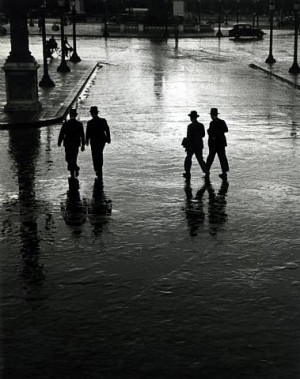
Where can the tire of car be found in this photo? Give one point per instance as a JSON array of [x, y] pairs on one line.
[[237, 36]]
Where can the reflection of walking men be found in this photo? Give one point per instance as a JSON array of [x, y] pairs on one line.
[[72, 135], [98, 133], [217, 143], [194, 144]]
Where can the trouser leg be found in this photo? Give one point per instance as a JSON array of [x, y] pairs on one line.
[[223, 160], [97, 155], [210, 159], [188, 162], [71, 159], [200, 160]]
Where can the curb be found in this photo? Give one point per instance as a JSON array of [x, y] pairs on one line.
[[254, 66], [62, 113]]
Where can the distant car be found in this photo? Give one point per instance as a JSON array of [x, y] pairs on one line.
[[245, 30]]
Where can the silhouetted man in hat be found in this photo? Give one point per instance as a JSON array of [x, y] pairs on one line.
[[194, 144], [98, 134], [217, 143], [72, 136]]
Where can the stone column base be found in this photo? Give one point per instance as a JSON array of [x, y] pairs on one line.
[[21, 87]]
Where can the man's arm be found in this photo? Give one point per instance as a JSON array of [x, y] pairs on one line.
[[61, 134], [107, 132], [87, 135], [82, 137]]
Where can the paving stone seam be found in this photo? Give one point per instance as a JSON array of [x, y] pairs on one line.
[[254, 66], [63, 110]]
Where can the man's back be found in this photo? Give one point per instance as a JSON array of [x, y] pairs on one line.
[[195, 134], [72, 133], [97, 130], [216, 132]]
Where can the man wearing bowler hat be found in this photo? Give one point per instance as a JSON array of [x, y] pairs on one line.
[[194, 144], [217, 143], [72, 136], [98, 134]]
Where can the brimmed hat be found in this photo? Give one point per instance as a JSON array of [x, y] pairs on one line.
[[214, 111], [193, 114], [73, 112], [94, 110]]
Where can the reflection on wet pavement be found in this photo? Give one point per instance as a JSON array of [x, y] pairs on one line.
[[149, 276]]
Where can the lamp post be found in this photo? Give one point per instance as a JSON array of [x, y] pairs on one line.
[[105, 33], [219, 33], [74, 58], [295, 69], [254, 13], [166, 19], [238, 11], [199, 11], [257, 13], [270, 58], [63, 67], [46, 80]]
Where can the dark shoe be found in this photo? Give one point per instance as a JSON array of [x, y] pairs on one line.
[[223, 176]]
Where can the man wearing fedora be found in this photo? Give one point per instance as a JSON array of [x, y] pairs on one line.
[[194, 144], [72, 136], [98, 134], [217, 143]]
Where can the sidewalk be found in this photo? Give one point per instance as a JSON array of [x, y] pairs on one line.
[[278, 71], [55, 101]]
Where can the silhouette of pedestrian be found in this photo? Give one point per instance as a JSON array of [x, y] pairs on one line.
[[72, 136], [52, 44], [98, 134], [217, 143], [67, 47], [194, 144], [40, 23]]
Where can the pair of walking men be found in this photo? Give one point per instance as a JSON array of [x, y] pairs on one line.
[[72, 136], [216, 143]]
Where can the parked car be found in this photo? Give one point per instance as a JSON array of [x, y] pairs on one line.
[[245, 30]]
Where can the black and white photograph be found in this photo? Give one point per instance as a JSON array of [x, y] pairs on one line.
[[149, 189]]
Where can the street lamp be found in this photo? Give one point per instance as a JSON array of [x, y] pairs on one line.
[[63, 67], [257, 13], [295, 69], [105, 33], [270, 58], [219, 33], [166, 19], [254, 13], [199, 11], [46, 80], [74, 58], [238, 11]]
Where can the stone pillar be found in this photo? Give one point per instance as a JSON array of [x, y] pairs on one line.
[[20, 68]]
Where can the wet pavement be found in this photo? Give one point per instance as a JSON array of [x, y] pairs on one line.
[[152, 277]]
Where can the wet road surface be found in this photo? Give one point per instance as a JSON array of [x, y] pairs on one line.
[[152, 277]]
